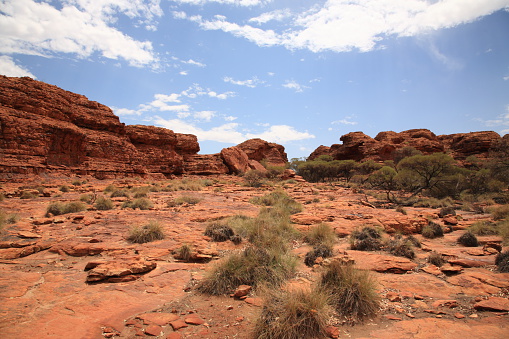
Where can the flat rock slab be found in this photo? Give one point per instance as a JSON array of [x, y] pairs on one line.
[[493, 304], [118, 268], [381, 262], [158, 318]]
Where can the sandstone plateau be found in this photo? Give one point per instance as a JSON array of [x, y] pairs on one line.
[[76, 275]]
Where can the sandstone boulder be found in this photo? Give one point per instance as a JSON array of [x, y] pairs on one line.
[[258, 149], [236, 159]]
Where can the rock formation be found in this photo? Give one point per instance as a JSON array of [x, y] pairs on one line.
[[359, 146], [47, 129]]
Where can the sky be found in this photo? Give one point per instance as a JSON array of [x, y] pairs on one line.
[[300, 73]]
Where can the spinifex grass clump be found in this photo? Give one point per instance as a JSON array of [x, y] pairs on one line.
[[400, 247], [500, 212], [293, 315], [184, 199], [468, 239], [252, 266], [321, 234], [141, 203], [436, 259], [432, 230], [352, 291], [58, 208], [219, 231], [318, 251], [186, 184], [502, 262], [367, 239], [146, 233], [483, 227], [280, 200], [103, 204], [119, 193]]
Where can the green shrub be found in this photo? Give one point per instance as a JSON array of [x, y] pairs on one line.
[[185, 184], [432, 230], [293, 315], [352, 291], [140, 192], [219, 231], [483, 227], [64, 188], [321, 234], [27, 195], [120, 193], [436, 259], [58, 208], [446, 211], [103, 204], [414, 241], [468, 239], [252, 266], [433, 202], [500, 212], [185, 199], [87, 198], [367, 239], [141, 203], [503, 230], [502, 262], [254, 178], [146, 233]]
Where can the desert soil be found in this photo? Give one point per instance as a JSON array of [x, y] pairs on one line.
[[43, 280]]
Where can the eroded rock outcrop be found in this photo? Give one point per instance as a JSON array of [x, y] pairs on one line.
[[359, 146], [47, 129]]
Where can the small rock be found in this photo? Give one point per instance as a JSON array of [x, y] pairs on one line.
[[493, 304], [194, 320], [174, 335], [242, 291], [459, 315], [254, 301], [178, 324], [332, 332], [393, 297], [445, 303], [392, 317]]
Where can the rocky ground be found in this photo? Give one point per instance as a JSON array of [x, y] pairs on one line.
[[76, 275]]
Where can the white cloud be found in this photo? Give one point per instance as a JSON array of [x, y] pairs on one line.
[[226, 133], [183, 72], [506, 78], [252, 83], [9, 68], [204, 115], [345, 121], [277, 15], [195, 63], [80, 27], [281, 134], [292, 84], [225, 2], [346, 25], [500, 121], [230, 118], [125, 112]]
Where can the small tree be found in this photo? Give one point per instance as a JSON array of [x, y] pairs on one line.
[[385, 179]]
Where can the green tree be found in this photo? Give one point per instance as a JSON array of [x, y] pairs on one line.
[[428, 170], [385, 179]]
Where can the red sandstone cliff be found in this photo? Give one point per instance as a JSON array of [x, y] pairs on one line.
[[44, 128]]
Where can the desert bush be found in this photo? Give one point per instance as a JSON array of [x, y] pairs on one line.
[[414, 241], [110, 188], [146, 233], [185, 184], [446, 211], [103, 204], [436, 259], [274, 172], [119, 193], [141, 203], [280, 200], [27, 195], [87, 198], [58, 208], [64, 188], [184, 253], [320, 250], [236, 239], [500, 212], [503, 230], [352, 291], [293, 315], [252, 266], [219, 231], [483, 227], [502, 262], [429, 170], [367, 239], [401, 210], [433, 202], [432, 230], [400, 247], [184, 199], [468, 239], [321, 234], [140, 192], [77, 182]]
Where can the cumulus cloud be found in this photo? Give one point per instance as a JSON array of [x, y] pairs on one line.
[[346, 25], [9, 68], [252, 83], [194, 63], [292, 84], [79, 27], [281, 134], [501, 121], [345, 121]]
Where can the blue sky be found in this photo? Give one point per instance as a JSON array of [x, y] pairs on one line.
[[299, 73]]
